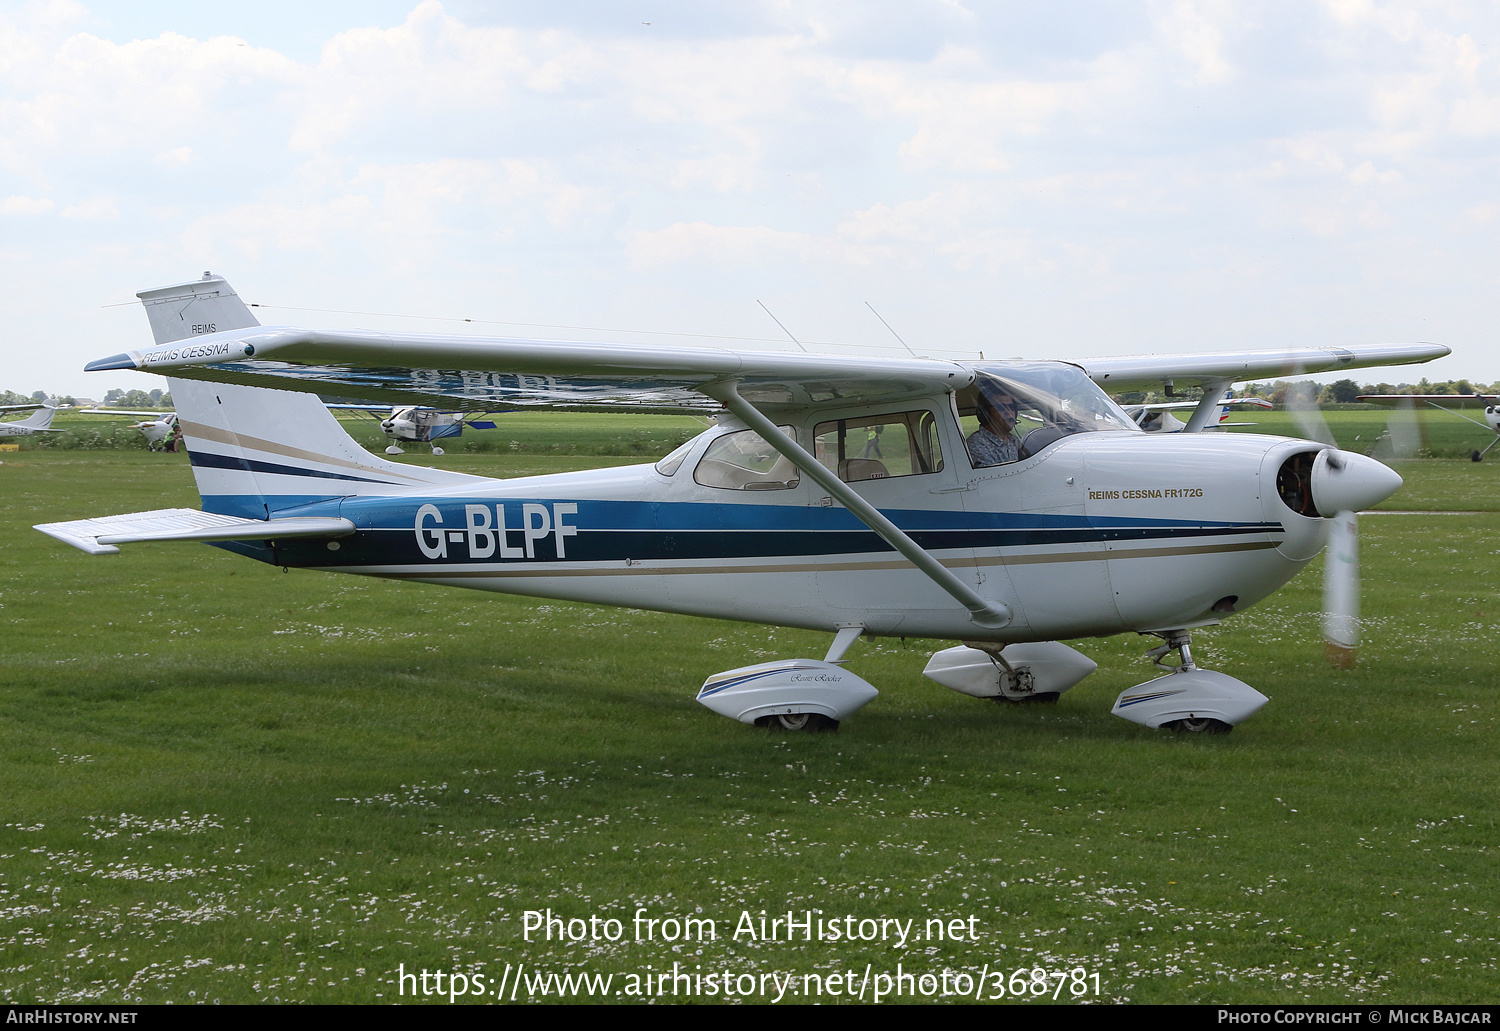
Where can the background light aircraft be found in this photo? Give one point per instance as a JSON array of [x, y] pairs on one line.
[[1490, 406], [39, 421], [419, 425], [160, 429], [1158, 417], [1003, 505]]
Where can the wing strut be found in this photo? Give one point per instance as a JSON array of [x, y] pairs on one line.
[[1213, 393], [988, 614]]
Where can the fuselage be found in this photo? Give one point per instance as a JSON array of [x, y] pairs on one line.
[[1097, 533]]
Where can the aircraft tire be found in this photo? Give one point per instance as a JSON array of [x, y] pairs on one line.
[[1476, 456], [1207, 725], [808, 722]]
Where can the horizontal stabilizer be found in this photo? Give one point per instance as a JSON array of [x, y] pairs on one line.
[[99, 536]]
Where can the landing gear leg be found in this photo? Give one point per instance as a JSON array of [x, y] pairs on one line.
[[1179, 641]]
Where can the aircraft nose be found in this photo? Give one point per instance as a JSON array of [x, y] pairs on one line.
[[1343, 481]]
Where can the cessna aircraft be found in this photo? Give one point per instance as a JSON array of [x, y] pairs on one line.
[[419, 425], [1448, 403], [39, 421], [1003, 505]]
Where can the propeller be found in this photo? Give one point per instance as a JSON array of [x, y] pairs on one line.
[[1402, 438], [1341, 483]]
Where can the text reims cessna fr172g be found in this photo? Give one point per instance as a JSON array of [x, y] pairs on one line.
[[1000, 504]]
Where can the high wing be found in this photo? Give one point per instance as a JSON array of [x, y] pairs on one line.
[[22, 408], [120, 411], [381, 412], [1168, 406], [1209, 368], [486, 373], [1435, 400]]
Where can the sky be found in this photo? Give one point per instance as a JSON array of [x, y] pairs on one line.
[[1013, 179]]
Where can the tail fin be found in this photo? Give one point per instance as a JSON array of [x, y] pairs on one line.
[[256, 452], [40, 419], [208, 305]]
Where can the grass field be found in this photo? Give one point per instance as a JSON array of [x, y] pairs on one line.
[[225, 783]]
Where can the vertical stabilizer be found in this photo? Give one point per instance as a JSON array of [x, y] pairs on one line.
[[256, 452], [40, 419], [207, 305]]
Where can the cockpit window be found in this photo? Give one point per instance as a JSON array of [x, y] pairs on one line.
[[1014, 410], [744, 461]]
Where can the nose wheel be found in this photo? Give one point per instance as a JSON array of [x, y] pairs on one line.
[[1199, 726], [810, 722]]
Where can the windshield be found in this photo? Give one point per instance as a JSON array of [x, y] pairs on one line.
[[1015, 409]]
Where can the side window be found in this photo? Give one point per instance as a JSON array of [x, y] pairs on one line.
[[881, 446], [744, 461], [669, 465]]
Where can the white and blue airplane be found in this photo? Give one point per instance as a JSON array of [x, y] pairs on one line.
[[1003, 505], [418, 425]]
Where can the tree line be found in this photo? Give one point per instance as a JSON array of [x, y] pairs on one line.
[[116, 398]]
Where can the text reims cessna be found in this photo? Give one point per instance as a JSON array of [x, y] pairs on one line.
[[1000, 504]]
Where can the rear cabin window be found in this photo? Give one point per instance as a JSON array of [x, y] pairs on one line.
[[879, 447], [667, 466], [744, 461]]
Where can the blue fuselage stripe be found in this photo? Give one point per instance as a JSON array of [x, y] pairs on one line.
[[505, 532]]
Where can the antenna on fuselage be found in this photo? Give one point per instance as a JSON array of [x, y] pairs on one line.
[[783, 328], [887, 325]]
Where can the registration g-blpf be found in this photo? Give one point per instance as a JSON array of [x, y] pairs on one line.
[[1000, 505]]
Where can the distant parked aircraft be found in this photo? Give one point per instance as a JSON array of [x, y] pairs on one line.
[[39, 421]]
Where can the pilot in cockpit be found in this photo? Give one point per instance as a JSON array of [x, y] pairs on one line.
[[996, 441]]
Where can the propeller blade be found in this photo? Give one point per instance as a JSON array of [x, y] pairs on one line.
[[1341, 590], [1302, 403], [1402, 438]]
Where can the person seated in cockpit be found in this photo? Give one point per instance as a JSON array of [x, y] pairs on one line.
[[995, 442]]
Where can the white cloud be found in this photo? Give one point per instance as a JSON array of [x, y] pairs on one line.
[[1097, 184], [1192, 29], [93, 208], [22, 205]]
